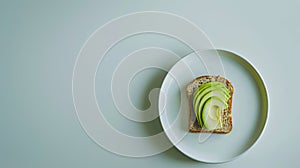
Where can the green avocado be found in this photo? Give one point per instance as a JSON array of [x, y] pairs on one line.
[[202, 90], [205, 87], [209, 91], [211, 114], [216, 94]]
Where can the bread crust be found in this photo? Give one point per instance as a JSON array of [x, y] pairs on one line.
[[193, 124]]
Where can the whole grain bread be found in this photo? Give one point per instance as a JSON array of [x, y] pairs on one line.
[[226, 113]]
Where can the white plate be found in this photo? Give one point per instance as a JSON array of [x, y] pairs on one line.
[[249, 111]]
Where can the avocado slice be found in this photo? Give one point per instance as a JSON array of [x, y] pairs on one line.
[[218, 93], [210, 90], [212, 113], [205, 87], [222, 91]]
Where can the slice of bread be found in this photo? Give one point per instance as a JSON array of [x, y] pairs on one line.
[[226, 113]]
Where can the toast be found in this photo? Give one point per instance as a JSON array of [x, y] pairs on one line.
[[226, 118]]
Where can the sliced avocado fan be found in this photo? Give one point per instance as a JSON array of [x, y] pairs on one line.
[[209, 100]]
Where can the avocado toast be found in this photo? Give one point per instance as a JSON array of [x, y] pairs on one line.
[[210, 104]]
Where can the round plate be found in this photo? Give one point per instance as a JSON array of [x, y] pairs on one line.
[[249, 108]]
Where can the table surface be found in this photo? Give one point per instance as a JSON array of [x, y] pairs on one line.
[[40, 42]]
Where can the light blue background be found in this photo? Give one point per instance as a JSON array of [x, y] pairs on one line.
[[40, 41]]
